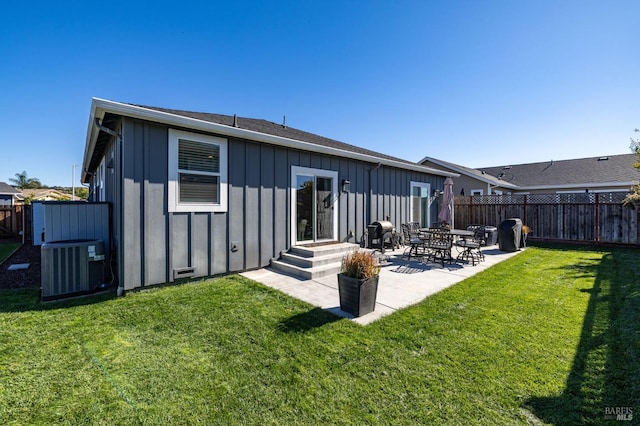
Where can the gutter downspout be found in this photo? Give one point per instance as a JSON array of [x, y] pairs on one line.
[[371, 170], [118, 140]]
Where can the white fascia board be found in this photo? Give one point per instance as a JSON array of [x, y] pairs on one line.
[[462, 171], [192, 123], [92, 136], [579, 185]]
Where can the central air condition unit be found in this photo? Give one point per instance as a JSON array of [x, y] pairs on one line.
[[72, 268]]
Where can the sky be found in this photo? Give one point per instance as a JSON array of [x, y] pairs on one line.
[[477, 83]]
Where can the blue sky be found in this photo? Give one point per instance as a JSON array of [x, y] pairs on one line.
[[479, 83]]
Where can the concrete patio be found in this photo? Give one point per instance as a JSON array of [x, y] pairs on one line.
[[402, 283]]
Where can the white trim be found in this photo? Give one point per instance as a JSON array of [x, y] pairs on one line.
[[306, 171], [413, 184], [471, 193], [173, 204], [100, 106], [578, 186], [582, 191]]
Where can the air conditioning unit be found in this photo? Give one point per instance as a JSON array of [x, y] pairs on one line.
[[72, 268]]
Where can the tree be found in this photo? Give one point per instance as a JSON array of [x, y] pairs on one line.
[[23, 181], [634, 196]]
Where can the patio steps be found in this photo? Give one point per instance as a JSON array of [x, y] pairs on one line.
[[313, 262]]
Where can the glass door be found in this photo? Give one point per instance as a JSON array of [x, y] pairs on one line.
[[420, 203], [304, 207], [315, 207]]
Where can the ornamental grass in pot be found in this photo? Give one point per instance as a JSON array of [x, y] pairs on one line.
[[358, 282]]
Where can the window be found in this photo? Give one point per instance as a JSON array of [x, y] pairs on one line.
[[476, 192], [420, 203], [197, 172]]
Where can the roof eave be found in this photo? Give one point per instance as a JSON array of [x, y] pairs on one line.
[[462, 171], [100, 106]]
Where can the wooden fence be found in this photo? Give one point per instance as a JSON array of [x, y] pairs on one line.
[[582, 217], [14, 220]]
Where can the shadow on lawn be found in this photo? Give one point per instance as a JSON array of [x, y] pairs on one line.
[[606, 369], [306, 321], [29, 300]]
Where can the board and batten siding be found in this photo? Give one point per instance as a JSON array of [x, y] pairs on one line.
[[256, 227]]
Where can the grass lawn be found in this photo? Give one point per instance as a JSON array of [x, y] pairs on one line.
[[551, 335], [6, 249]]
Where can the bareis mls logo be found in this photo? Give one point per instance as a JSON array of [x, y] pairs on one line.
[[618, 413]]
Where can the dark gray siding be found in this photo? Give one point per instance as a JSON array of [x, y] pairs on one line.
[[256, 228]]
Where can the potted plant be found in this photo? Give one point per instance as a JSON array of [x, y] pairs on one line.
[[358, 282]]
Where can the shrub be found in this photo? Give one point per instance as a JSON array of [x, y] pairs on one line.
[[360, 264]]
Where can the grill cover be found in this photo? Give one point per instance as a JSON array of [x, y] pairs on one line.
[[510, 235]]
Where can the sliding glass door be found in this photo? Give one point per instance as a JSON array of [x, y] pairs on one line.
[[315, 205], [420, 203]]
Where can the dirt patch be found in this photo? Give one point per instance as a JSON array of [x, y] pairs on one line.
[[21, 278]]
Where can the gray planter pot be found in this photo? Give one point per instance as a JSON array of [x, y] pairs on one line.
[[357, 297]]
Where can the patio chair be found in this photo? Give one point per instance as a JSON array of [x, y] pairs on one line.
[[413, 239], [472, 246], [439, 245]]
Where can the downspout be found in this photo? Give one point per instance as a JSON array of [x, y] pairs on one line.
[[371, 170], [118, 139]]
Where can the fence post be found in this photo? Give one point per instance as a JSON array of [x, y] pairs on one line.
[[524, 215], [471, 209], [597, 224]]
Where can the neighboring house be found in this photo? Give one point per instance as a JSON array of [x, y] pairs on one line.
[[45, 194], [9, 196], [613, 173], [196, 194]]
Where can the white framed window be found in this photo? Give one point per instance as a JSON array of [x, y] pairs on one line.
[[420, 203], [477, 192], [197, 172]]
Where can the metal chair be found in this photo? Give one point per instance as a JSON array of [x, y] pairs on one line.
[[413, 239], [472, 251], [439, 245]]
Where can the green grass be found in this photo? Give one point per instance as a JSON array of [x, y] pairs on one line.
[[6, 249], [550, 335]]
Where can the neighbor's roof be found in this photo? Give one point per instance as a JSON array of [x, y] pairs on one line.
[[246, 128], [605, 171], [8, 189], [42, 193], [477, 174], [592, 171]]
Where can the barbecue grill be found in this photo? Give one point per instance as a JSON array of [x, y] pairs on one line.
[[378, 233]]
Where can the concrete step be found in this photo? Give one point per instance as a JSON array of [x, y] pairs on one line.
[[306, 251], [310, 262], [313, 262], [306, 273]]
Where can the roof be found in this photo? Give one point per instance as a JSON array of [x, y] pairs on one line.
[[241, 127], [45, 194], [591, 171], [612, 170], [8, 189], [477, 174]]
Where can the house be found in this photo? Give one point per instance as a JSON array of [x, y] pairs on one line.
[[197, 194], [45, 194], [613, 173], [8, 195]]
